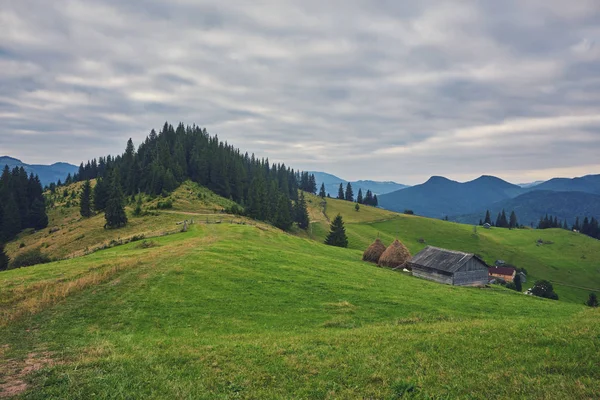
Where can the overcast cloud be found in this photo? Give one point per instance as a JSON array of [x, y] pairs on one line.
[[361, 89]]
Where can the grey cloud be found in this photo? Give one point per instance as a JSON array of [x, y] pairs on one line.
[[362, 89]]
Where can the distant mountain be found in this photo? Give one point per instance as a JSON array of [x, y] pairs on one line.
[[530, 184], [530, 206], [587, 184], [440, 197], [332, 184], [47, 173]]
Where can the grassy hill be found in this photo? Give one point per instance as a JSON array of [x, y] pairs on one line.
[[240, 311], [570, 260]]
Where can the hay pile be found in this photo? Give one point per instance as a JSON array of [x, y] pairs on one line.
[[395, 256], [374, 251]]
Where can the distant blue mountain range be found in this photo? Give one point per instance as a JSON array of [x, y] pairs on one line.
[[47, 173], [332, 184], [467, 202]]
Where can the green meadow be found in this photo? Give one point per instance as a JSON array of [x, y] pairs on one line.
[[238, 311], [569, 260]]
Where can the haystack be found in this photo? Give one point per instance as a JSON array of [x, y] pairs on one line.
[[374, 251], [395, 256]]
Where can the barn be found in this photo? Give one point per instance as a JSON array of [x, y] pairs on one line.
[[450, 267]]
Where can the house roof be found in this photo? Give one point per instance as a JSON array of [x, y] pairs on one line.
[[443, 259], [508, 271]]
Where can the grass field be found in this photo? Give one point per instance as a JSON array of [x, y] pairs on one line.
[[234, 311], [570, 260]]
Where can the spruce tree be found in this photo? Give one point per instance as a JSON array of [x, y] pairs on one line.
[[359, 198], [341, 195], [4, 260], [322, 192], [337, 233], [301, 213], [283, 219], [375, 201], [488, 218], [115, 213], [11, 219], [368, 200], [101, 192], [349, 196], [85, 200], [513, 223], [518, 283], [37, 215]]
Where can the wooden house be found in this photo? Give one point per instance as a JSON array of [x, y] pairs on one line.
[[450, 267], [506, 273]]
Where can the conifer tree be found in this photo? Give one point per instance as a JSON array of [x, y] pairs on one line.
[[513, 223], [341, 195], [283, 219], [115, 213], [301, 212], [101, 191], [337, 233], [375, 201], [11, 219], [517, 282], [322, 192], [488, 218], [38, 219], [359, 198], [4, 260], [356, 207], [85, 200], [349, 192], [368, 200]]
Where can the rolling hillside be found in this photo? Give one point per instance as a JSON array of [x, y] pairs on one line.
[[46, 173], [234, 311], [570, 260]]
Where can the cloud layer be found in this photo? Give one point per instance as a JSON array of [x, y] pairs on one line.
[[362, 89]]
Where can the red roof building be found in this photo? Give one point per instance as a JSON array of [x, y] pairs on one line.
[[506, 273]]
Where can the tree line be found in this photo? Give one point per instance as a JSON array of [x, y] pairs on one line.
[[501, 220], [369, 199], [22, 206], [587, 226], [268, 192]]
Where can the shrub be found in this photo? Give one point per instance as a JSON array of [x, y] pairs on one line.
[[165, 205], [543, 288], [592, 300], [409, 212], [21, 245], [29, 258], [146, 244]]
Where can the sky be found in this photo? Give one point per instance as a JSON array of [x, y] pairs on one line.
[[380, 89]]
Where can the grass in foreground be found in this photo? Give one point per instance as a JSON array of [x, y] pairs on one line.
[[227, 311]]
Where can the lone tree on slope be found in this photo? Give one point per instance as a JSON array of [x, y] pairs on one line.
[[337, 234]]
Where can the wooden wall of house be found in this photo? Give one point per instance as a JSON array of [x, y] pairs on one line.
[[470, 278], [431, 275], [473, 273]]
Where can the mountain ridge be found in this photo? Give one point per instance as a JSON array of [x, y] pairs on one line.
[[47, 173]]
